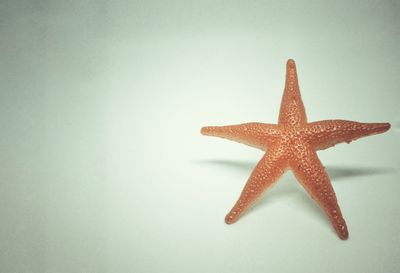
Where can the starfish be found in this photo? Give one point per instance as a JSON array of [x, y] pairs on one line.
[[293, 144]]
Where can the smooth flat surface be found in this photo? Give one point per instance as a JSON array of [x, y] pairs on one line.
[[103, 168]]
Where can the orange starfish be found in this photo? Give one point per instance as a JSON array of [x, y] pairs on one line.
[[292, 144]]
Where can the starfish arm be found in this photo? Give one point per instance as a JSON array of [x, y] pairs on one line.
[[292, 110], [309, 171], [258, 135], [328, 133], [266, 173]]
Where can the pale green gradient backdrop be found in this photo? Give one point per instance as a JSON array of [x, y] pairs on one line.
[[103, 168]]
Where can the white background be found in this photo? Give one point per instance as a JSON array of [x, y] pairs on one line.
[[102, 165]]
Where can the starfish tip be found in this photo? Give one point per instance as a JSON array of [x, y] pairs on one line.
[[229, 219], [290, 63], [381, 127], [204, 130], [344, 236]]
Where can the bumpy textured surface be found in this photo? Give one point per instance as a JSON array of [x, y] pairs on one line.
[[292, 144]]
